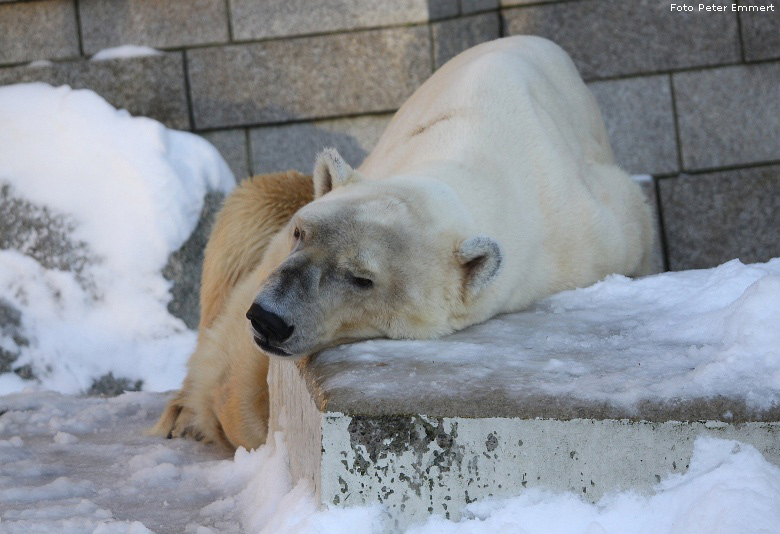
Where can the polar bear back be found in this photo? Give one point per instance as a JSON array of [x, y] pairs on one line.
[[511, 127], [512, 96]]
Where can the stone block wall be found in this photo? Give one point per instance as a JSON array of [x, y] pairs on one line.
[[692, 98]]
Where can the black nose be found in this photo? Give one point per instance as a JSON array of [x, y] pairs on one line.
[[268, 324]]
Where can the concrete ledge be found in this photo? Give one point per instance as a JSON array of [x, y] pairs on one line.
[[416, 464], [428, 427]]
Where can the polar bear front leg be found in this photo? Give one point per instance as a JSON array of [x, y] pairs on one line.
[[241, 404]]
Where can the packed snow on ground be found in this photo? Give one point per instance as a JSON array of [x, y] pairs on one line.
[[72, 464], [132, 191], [677, 335], [125, 51]]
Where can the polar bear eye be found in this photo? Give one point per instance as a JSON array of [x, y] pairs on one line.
[[297, 233], [362, 282]]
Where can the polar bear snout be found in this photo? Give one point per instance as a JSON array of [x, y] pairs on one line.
[[271, 329]]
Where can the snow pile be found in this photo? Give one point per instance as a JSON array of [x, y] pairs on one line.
[[124, 193], [84, 466], [678, 335]]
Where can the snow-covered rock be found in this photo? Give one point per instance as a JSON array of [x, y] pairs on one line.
[[94, 204]]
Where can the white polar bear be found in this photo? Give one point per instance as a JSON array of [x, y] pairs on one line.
[[497, 178], [493, 186]]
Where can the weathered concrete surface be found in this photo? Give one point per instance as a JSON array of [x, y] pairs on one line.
[[423, 432], [417, 464]]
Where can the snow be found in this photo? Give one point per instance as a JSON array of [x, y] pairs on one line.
[[111, 478], [133, 191], [40, 63], [677, 335], [124, 51]]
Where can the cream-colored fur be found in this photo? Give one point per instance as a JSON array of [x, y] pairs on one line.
[[224, 399], [493, 186]]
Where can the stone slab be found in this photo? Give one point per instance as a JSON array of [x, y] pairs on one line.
[[510, 3], [294, 146], [173, 23], [232, 144], [307, 78], [608, 38], [45, 29], [639, 117], [760, 32], [283, 18], [151, 86], [712, 218], [468, 7], [728, 116], [451, 37]]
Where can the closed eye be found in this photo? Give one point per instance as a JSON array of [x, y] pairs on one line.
[[363, 283]]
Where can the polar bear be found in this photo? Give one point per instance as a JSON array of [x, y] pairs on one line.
[[493, 186]]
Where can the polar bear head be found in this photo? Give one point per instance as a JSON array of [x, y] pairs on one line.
[[368, 259]]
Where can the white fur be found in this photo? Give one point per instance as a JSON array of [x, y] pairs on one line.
[[512, 137]]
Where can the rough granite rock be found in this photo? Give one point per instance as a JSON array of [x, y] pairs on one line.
[[45, 236], [184, 265], [10, 328], [110, 386]]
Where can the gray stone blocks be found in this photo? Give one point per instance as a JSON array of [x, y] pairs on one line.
[[760, 32], [173, 23], [609, 38], [38, 30], [729, 116], [712, 218], [232, 144], [510, 3], [312, 77], [152, 86], [639, 117], [451, 37], [294, 146], [474, 6], [281, 18]]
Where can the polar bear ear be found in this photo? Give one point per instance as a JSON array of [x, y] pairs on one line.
[[480, 258], [331, 171]]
